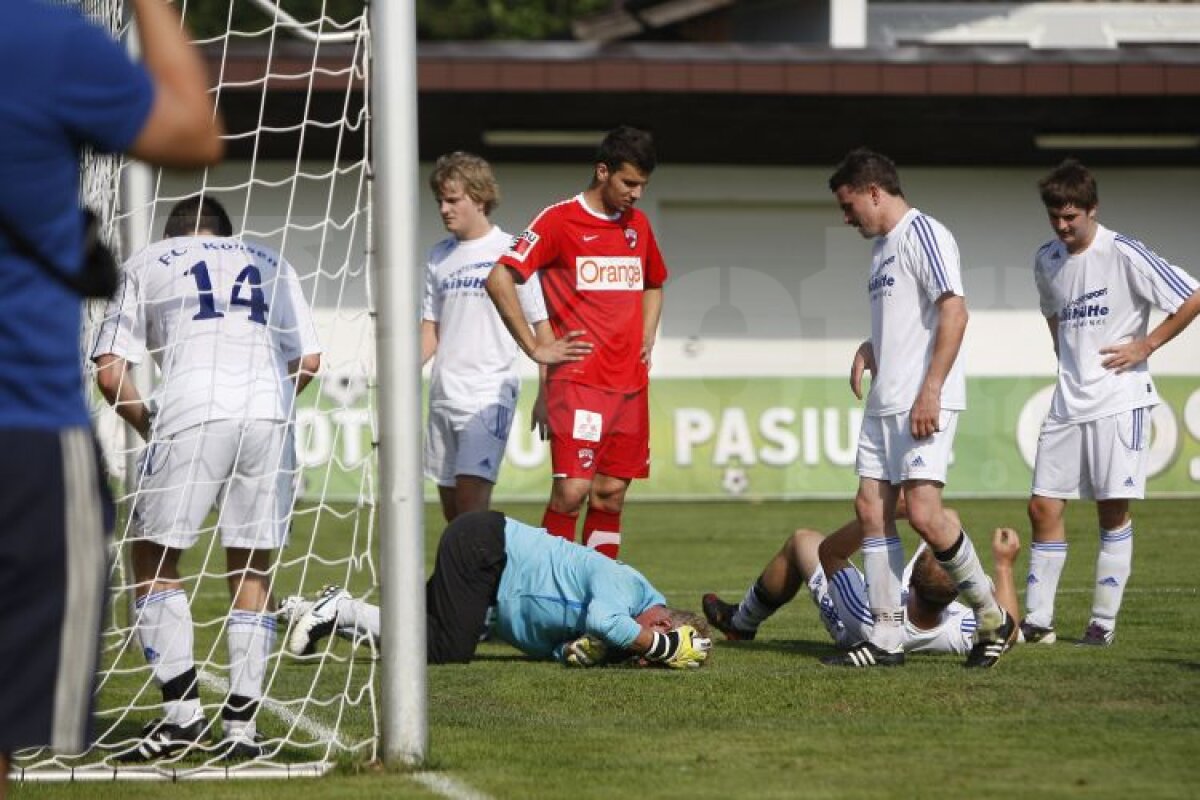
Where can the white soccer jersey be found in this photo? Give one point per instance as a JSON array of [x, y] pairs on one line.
[[1101, 297], [474, 364], [955, 633], [911, 268], [222, 318]]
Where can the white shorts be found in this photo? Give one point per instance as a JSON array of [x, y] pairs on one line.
[[888, 452], [466, 442], [1102, 459], [844, 627], [246, 468]]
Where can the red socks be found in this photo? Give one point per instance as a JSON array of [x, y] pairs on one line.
[[562, 525], [602, 532]]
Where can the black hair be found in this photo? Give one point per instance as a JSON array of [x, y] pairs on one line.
[[198, 214]]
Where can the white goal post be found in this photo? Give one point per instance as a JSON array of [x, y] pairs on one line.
[[296, 95]]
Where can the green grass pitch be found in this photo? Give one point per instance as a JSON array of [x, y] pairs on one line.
[[766, 720]]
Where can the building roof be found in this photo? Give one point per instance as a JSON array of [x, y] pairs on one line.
[[761, 103]]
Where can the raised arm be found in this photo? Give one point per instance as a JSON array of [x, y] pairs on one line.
[[952, 325], [183, 130], [1005, 546]]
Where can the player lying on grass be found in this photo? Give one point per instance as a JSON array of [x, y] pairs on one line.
[[554, 599], [934, 621]]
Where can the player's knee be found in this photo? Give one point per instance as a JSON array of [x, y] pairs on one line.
[[869, 511], [925, 517], [610, 498], [1112, 515], [1043, 510]]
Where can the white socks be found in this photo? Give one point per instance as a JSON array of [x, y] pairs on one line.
[[1046, 560], [1113, 566], [974, 586], [250, 638], [883, 565], [164, 629]]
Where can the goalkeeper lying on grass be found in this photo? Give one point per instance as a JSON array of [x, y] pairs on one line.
[[554, 599]]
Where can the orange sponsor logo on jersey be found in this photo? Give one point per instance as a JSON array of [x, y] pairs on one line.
[[608, 273]]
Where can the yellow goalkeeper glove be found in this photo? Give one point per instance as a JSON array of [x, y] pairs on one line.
[[586, 651], [682, 648]]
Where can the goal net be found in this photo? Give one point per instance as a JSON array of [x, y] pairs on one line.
[[293, 94]]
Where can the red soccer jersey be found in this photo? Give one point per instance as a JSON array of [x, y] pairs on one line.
[[593, 270]]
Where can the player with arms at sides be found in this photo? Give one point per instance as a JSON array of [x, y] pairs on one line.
[[474, 386], [1096, 288], [918, 318], [934, 621], [555, 600], [227, 323], [602, 276], [68, 85]]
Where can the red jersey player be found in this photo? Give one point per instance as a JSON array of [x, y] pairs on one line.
[[602, 276]]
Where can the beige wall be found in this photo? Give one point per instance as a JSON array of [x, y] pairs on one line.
[[765, 278]]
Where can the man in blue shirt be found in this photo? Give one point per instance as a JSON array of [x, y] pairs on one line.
[[70, 85], [554, 599]]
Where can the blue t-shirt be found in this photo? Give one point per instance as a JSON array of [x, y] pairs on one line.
[[69, 84], [553, 591]]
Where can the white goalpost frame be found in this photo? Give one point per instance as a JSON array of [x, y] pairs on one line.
[[391, 248], [402, 529]]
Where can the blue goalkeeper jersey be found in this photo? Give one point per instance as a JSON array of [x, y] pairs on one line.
[[553, 591], [68, 85]]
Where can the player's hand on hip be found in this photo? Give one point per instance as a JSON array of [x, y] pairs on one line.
[[567, 348], [864, 361], [584, 652], [1123, 357]]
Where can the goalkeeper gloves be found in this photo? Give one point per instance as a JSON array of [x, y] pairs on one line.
[[586, 651], [682, 648]]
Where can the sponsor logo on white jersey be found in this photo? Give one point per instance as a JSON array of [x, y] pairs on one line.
[[608, 273], [1081, 309]]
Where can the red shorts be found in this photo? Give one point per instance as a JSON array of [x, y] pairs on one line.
[[594, 431]]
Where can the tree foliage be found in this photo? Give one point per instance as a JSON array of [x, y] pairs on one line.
[[436, 19]]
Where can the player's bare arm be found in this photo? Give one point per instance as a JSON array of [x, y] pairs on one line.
[[1052, 324], [652, 303], [303, 369], [952, 325], [539, 416], [183, 129], [429, 340], [120, 391], [1005, 547], [864, 361], [1121, 357], [502, 289]]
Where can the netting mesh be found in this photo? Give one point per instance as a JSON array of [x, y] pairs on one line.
[[294, 97]]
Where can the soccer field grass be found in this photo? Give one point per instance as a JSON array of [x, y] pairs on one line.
[[766, 720]]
